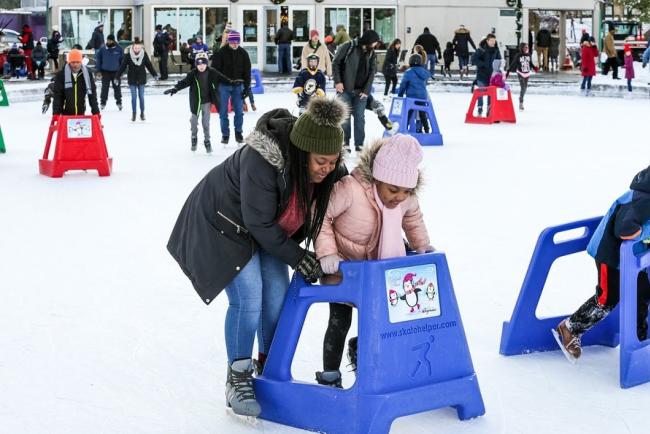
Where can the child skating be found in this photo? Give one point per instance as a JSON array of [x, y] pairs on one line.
[[448, 57], [523, 65], [414, 85], [628, 65], [366, 216], [309, 83], [627, 219], [203, 82]]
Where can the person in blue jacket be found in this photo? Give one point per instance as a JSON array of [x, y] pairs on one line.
[[107, 62], [309, 82], [627, 219], [414, 85], [197, 47]]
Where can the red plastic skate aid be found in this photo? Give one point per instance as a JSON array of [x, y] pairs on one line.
[[500, 106], [79, 145], [215, 109]]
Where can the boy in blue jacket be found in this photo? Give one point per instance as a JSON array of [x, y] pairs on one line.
[[107, 62], [627, 219], [309, 82], [414, 85]]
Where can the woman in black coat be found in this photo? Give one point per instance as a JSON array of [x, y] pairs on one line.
[[245, 222], [390, 65], [136, 61]]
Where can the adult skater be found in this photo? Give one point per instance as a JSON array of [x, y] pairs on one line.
[[161, 43], [71, 87], [484, 58], [462, 40], [136, 63], [107, 62], [245, 222]]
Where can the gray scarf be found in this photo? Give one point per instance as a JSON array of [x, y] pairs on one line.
[[68, 78], [136, 58]]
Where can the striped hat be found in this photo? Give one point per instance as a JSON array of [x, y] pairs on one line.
[[234, 37]]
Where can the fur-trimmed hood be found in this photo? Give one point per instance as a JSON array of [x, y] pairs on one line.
[[271, 137], [363, 171]]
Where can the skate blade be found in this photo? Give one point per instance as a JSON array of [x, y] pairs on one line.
[[249, 421], [393, 130], [568, 355]]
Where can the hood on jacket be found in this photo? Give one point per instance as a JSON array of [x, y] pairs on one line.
[[421, 72], [367, 159], [461, 30], [641, 181], [271, 131]]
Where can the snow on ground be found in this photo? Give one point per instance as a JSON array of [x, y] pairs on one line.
[[101, 332]]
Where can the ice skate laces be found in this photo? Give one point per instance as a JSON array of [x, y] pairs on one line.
[[243, 384]]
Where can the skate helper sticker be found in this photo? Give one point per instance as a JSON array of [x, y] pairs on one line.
[[396, 109], [502, 94], [80, 129], [412, 293]]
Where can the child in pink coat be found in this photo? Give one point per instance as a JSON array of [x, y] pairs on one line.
[[366, 216], [628, 65]]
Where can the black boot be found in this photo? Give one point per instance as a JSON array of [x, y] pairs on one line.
[[194, 141], [329, 378], [225, 140], [239, 138], [142, 118], [133, 117], [208, 146], [352, 354]]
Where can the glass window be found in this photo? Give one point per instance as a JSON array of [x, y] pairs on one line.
[[367, 19], [190, 24], [252, 53], [250, 28], [300, 26], [355, 23], [271, 55], [334, 17], [77, 25], [167, 17], [384, 24], [215, 22], [271, 22], [121, 24]]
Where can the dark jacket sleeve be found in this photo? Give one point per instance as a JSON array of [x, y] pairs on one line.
[[92, 98], [300, 80], [337, 63], [247, 70], [259, 198], [98, 59], [59, 95], [185, 82], [436, 45], [371, 74], [471, 41], [322, 82], [631, 217], [404, 84], [123, 65], [148, 65]]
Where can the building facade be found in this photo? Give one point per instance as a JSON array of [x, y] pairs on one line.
[[258, 20]]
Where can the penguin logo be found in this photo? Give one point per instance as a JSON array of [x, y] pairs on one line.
[[431, 291], [392, 297], [410, 296]]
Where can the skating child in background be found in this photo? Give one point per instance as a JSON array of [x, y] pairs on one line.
[[523, 65], [414, 85], [310, 82], [203, 83], [628, 65], [367, 212], [498, 78], [627, 219], [448, 57]]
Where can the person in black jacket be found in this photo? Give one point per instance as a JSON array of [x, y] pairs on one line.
[[234, 66], [137, 63], [71, 86], [390, 65], [448, 56], [283, 39], [161, 50], [97, 40], [53, 47], [483, 59], [543, 40], [245, 222], [461, 40], [203, 82], [628, 219], [432, 47], [522, 63]]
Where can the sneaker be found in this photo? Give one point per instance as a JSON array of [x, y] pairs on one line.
[[386, 122], [239, 138], [329, 378], [142, 118], [208, 146], [102, 106], [240, 395], [119, 106], [194, 141], [132, 117], [225, 140], [352, 354], [521, 106], [569, 343]]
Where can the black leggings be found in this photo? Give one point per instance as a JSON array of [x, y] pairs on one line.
[[337, 330], [390, 79]]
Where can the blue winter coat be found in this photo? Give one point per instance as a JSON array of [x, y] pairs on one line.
[[414, 83], [108, 58], [626, 216]]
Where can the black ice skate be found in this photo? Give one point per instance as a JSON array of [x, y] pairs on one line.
[[329, 378], [194, 141], [208, 146]]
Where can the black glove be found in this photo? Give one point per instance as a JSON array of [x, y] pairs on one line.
[[170, 91], [309, 267], [245, 93]]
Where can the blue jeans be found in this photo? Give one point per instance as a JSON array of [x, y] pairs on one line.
[[629, 85], [432, 59], [463, 61], [480, 100], [284, 58], [255, 300], [357, 109], [137, 92], [586, 82], [231, 93]]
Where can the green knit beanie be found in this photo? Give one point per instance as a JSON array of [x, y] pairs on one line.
[[318, 130]]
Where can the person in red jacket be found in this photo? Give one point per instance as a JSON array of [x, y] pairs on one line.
[[27, 39], [589, 53]]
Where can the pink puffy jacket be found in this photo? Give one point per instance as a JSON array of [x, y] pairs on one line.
[[352, 224]]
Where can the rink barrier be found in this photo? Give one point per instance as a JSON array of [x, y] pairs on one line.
[[500, 107], [4, 100], [405, 111], [525, 333], [413, 355], [80, 145]]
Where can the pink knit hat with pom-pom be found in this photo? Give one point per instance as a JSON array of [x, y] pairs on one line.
[[397, 161]]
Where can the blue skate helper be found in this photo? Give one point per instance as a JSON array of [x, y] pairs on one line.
[[412, 351], [399, 112]]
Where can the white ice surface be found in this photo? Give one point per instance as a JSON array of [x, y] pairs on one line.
[[100, 331]]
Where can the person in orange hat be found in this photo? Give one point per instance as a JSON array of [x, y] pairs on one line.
[[628, 65], [71, 86]]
